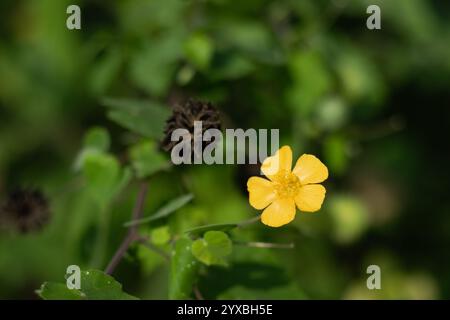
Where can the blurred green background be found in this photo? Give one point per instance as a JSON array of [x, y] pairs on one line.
[[373, 105]]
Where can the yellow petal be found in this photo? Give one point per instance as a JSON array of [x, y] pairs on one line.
[[310, 197], [282, 160], [309, 169], [261, 192], [280, 212]]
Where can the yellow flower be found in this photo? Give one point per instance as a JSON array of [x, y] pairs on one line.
[[285, 188]]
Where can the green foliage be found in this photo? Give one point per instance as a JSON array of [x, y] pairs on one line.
[[147, 160], [160, 236], [360, 79], [213, 248], [95, 285], [146, 118], [311, 80], [59, 291], [199, 50], [154, 64], [105, 71], [183, 270], [198, 231], [336, 153], [104, 177], [349, 216], [164, 211], [97, 139], [352, 96]]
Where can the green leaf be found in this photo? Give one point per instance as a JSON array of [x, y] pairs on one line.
[[199, 50], [95, 285], [95, 141], [124, 179], [361, 81], [199, 231], [213, 248], [149, 260], [311, 80], [146, 160], [246, 35], [97, 138], [233, 67], [336, 157], [160, 236], [104, 177], [332, 113], [166, 210], [146, 118], [349, 216], [185, 75], [105, 70], [59, 291], [153, 66], [183, 271]]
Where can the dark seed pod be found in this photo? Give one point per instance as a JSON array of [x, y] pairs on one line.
[[184, 116], [25, 210]]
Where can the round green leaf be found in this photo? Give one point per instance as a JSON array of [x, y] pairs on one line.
[[160, 236], [213, 248], [103, 176], [146, 160]]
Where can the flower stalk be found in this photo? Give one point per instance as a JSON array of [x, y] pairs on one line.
[[132, 234]]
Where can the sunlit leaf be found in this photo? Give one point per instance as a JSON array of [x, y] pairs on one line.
[[160, 236], [199, 49], [95, 285], [59, 291], [213, 248], [183, 270]]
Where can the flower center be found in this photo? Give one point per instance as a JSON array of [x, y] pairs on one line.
[[287, 184]]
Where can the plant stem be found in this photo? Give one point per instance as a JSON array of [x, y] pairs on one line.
[[266, 245], [132, 234], [197, 293], [249, 221], [145, 242]]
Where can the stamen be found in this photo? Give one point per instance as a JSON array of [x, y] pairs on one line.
[[287, 184]]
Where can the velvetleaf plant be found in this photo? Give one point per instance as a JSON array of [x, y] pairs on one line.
[[190, 251]]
